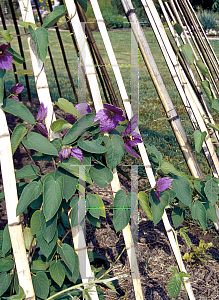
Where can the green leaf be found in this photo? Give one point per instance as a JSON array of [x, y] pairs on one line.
[[41, 285], [78, 210], [168, 168], [70, 182], [27, 24], [187, 51], [60, 125], [57, 272], [101, 206], [29, 193], [199, 187], [48, 228], [68, 107], [78, 128], [41, 39], [35, 222], [46, 248], [152, 150], [5, 281], [16, 108], [2, 87], [20, 296], [174, 284], [65, 220], [211, 210], [181, 186], [215, 127], [54, 16], [25, 72], [115, 150], [178, 216], [178, 28], [122, 210], [52, 196], [6, 35], [101, 175], [182, 232], [17, 59], [144, 202], [199, 213], [6, 245], [28, 237], [212, 190], [157, 207], [17, 135], [27, 172], [73, 276], [39, 143], [207, 88], [203, 69], [68, 254], [6, 265], [38, 265], [83, 4], [94, 221], [37, 203], [199, 138], [92, 146], [92, 204], [215, 105]]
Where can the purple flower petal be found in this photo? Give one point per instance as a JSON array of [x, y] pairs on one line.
[[65, 131], [133, 139], [70, 119], [83, 108], [157, 195], [16, 89], [132, 124], [64, 153], [77, 153], [42, 129], [42, 112], [6, 60], [163, 183], [14, 97], [130, 150]]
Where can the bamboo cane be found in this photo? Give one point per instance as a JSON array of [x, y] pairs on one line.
[[11, 200]]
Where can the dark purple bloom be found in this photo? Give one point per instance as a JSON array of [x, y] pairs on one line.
[[161, 185], [109, 117], [41, 113], [131, 138], [6, 59], [70, 119], [42, 129], [16, 89], [83, 108], [77, 153], [64, 153], [14, 97]]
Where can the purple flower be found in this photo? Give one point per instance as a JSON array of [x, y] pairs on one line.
[[6, 59], [131, 138], [83, 108], [77, 153], [109, 117], [16, 89], [41, 113], [161, 185], [42, 129], [70, 119], [14, 97], [64, 153]]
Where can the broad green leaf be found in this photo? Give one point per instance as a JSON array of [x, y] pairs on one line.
[[37, 203], [207, 88], [41, 39], [168, 168], [20, 296], [211, 210], [29, 193], [78, 128], [2, 86], [70, 182], [215, 105], [199, 187], [101, 175], [73, 276], [52, 196], [187, 51], [93, 146], [115, 150], [83, 4], [41, 285], [92, 204], [94, 221], [178, 216], [78, 211], [199, 138], [199, 213], [54, 16], [92, 255], [28, 237], [181, 186], [121, 210], [24, 72], [27, 172], [101, 206], [48, 228], [60, 125], [178, 28], [57, 272], [182, 232], [17, 59], [6, 35], [5, 281], [65, 220], [35, 222], [144, 202], [211, 191], [174, 285], [46, 248], [68, 254], [26, 24], [17, 135], [216, 127], [6, 245], [43, 157], [68, 107], [157, 207], [39, 143], [38, 265], [204, 70], [6, 264], [152, 150], [16, 108]]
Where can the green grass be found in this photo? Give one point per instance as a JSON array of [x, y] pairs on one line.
[[155, 132]]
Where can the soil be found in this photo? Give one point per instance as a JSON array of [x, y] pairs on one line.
[[153, 248]]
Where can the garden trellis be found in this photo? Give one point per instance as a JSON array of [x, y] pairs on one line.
[[195, 110]]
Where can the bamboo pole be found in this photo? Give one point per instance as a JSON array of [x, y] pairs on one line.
[[11, 200]]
